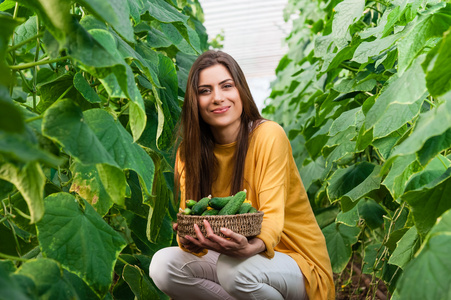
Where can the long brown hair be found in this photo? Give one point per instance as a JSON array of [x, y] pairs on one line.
[[196, 148]]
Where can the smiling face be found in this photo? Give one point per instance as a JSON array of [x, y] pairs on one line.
[[219, 102]]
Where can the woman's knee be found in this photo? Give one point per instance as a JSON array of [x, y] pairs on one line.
[[163, 266], [234, 279]]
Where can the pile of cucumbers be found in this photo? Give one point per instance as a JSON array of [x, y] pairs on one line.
[[220, 206]]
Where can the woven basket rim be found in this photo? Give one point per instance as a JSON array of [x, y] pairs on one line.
[[248, 224]]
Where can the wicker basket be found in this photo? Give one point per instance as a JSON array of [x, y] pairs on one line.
[[248, 225]]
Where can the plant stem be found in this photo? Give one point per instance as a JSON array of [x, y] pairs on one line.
[[2, 255], [122, 260], [36, 56], [24, 42], [13, 73], [34, 119], [38, 63]]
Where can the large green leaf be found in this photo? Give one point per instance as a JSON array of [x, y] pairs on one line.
[[74, 234], [427, 276], [113, 12], [339, 240], [164, 12], [120, 146], [48, 278], [431, 23], [346, 13], [30, 181], [429, 202], [406, 248], [438, 75], [431, 125], [401, 171], [64, 123], [7, 25], [85, 89], [87, 183], [405, 89], [139, 283], [353, 182]]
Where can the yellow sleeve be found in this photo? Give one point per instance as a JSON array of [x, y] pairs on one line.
[[272, 194]]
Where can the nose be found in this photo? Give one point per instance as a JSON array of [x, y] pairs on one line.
[[218, 96]]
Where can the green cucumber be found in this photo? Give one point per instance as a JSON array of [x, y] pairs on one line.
[[219, 202], [186, 211], [234, 204], [200, 206], [190, 203], [211, 212], [253, 210], [244, 208]]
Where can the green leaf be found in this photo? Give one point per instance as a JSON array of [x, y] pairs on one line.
[[368, 50], [371, 212], [113, 12], [71, 232], [7, 25], [312, 172], [405, 89], [30, 181], [339, 240], [395, 116], [85, 89], [433, 260], [120, 146], [401, 171], [25, 31], [353, 117], [353, 182], [431, 126], [64, 123], [406, 248], [48, 277], [87, 183], [346, 13], [438, 73], [431, 23], [372, 258], [139, 283], [166, 13], [429, 202], [431, 172]]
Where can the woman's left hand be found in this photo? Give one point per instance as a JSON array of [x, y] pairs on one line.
[[236, 245]]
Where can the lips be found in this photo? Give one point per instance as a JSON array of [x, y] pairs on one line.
[[221, 110]]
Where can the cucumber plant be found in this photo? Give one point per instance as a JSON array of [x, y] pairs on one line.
[[90, 95], [364, 94]]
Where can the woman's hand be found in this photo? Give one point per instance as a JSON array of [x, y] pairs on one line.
[[186, 243], [237, 245]]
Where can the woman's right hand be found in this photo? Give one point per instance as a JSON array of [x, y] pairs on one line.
[[187, 244]]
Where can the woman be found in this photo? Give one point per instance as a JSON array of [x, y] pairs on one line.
[[227, 147]]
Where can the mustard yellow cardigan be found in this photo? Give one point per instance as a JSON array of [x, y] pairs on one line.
[[274, 186]]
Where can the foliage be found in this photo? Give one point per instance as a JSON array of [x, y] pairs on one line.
[[90, 95], [364, 94]]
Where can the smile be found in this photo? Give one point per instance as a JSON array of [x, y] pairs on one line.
[[221, 110]]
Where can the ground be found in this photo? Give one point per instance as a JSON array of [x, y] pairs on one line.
[[353, 285]]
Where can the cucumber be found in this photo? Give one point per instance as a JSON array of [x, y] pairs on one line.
[[244, 208], [219, 202], [190, 203], [234, 204], [253, 210], [200, 206], [211, 212], [186, 211]]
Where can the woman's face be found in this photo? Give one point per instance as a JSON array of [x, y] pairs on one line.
[[219, 102]]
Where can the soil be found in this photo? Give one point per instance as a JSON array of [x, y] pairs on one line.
[[351, 284]]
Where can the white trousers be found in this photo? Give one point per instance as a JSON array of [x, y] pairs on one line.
[[184, 276]]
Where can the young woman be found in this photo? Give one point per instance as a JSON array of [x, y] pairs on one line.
[[227, 147]]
